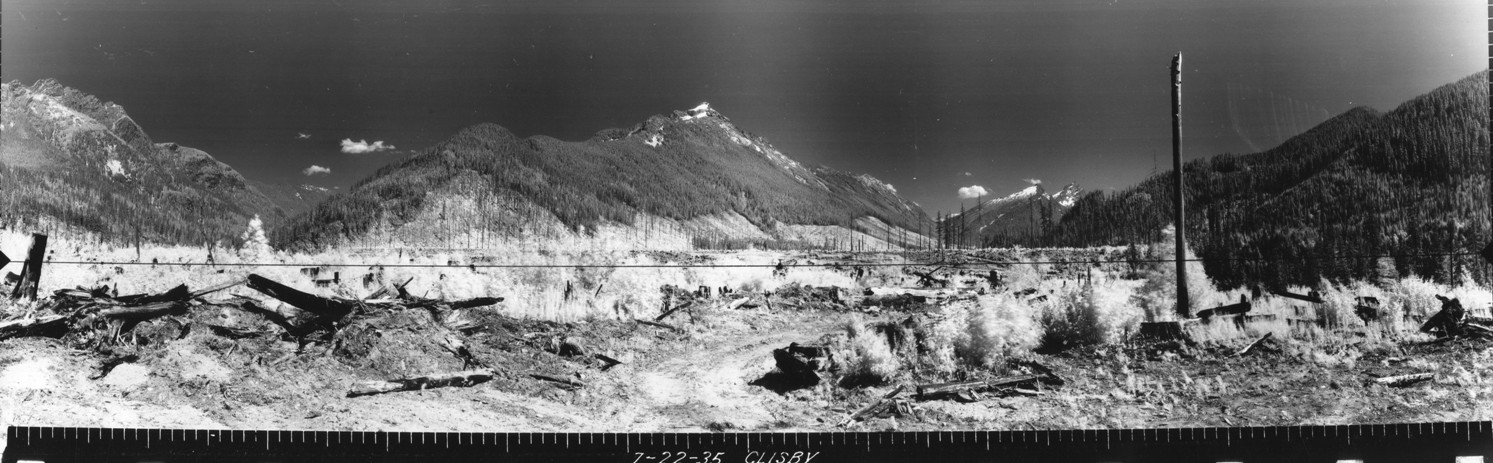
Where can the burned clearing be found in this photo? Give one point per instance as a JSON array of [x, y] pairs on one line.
[[974, 341]]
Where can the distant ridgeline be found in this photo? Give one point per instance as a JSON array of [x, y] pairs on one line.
[[1410, 181], [71, 162], [693, 170]]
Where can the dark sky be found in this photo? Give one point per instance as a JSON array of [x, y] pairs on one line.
[[930, 96]]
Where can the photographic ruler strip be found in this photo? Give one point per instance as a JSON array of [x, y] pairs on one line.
[[1450, 442]]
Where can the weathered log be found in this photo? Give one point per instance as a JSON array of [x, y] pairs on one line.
[[214, 289], [1405, 380], [327, 308], [475, 302], [457, 379], [32, 326], [277, 318], [31, 270], [874, 407], [110, 364], [660, 325], [677, 308], [145, 312], [736, 304], [233, 332], [556, 379], [1312, 297], [927, 391], [179, 293], [610, 362], [1252, 345], [1232, 309]]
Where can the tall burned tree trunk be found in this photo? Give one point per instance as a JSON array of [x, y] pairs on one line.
[[1178, 209]]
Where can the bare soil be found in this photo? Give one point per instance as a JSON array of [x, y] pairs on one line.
[[704, 379]]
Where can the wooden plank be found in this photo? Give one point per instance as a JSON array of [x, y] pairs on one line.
[[31, 271], [457, 379]]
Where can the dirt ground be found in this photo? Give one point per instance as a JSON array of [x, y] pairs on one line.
[[698, 380]]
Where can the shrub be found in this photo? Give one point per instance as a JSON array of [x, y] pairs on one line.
[[1070, 322], [869, 360], [997, 327]]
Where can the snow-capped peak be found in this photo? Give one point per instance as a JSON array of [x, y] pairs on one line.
[[698, 112]]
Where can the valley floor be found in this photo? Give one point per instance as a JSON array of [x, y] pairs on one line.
[[701, 380]]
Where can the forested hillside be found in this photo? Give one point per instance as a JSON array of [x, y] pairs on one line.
[[684, 166], [1409, 183], [70, 161]]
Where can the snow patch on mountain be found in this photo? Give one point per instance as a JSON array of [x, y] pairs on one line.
[[115, 168]]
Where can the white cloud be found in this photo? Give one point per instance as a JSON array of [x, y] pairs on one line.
[[316, 170], [967, 174], [972, 191], [1034, 181], [362, 146]]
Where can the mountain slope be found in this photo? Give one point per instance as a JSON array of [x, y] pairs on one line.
[[693, 169], [1413, 181], [1023, 218], [69, 160]]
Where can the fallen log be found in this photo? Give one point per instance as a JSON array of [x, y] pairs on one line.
[[874, 407], [233, 332], [110, 364], [214, 289], [610, 362], [1240, 308], [1405, 380], [1252, 345], [146, 312], [1312, 297], [179, 293], [31, 326], [737, 303], [660, 325], [332, 309], [277, 318], [457, 379], [929, 391], [475, 302], [677, 308], [556, 379]]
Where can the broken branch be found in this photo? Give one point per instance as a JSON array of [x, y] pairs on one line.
[[457, 379]]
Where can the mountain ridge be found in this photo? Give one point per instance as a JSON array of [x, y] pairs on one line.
[[1408, 183], [683, 167]]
